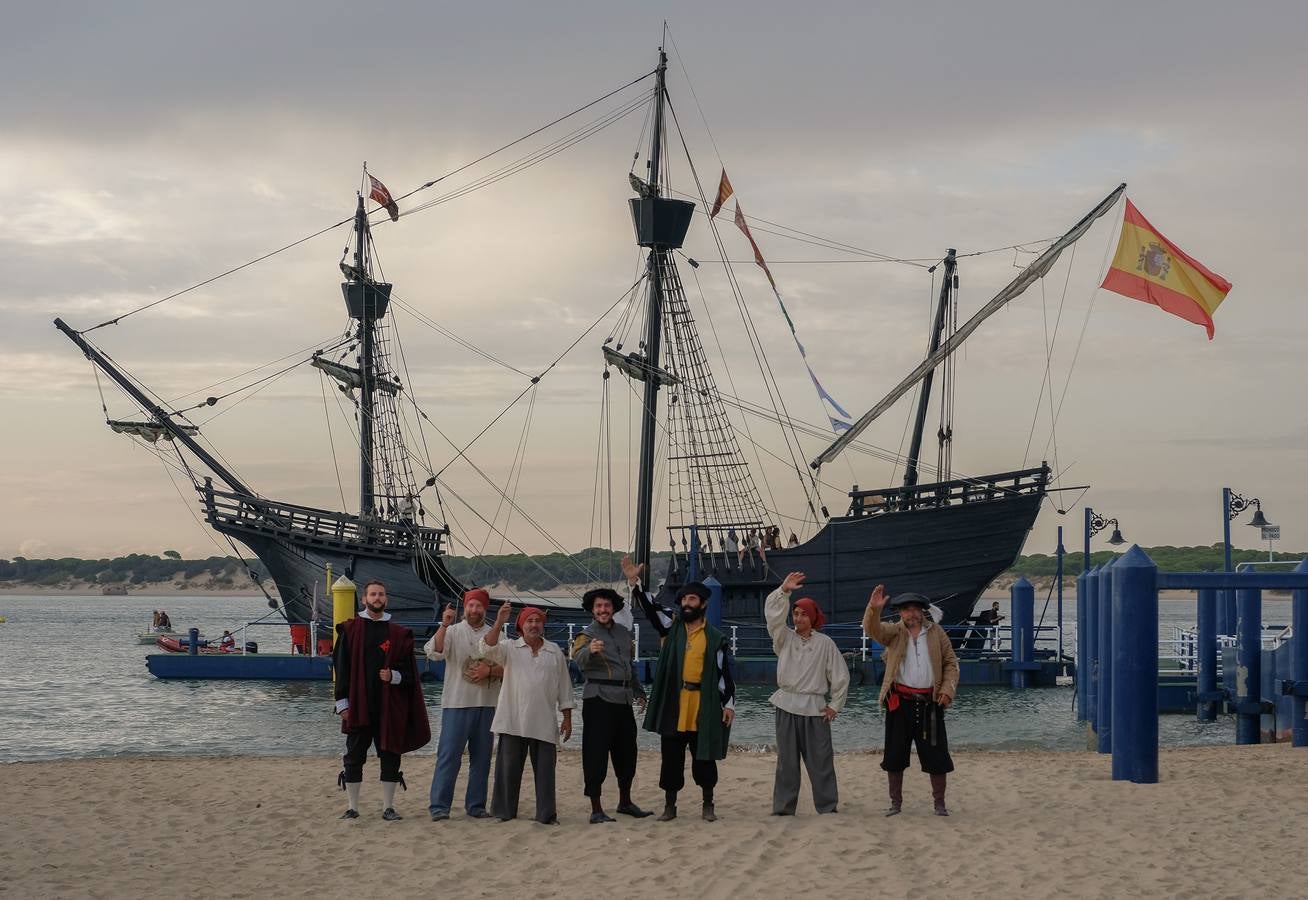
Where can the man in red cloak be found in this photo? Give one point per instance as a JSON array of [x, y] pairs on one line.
[[378, 697]]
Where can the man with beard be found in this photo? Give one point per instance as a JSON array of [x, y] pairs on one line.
[[920, 683], [693, 699], [809, 670], [604, 653], [472, 687], [536, 685], [378, 697]]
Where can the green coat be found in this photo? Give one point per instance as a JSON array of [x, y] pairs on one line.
[[665, 695]]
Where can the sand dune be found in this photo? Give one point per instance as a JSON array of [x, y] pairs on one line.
[[1224, 822]]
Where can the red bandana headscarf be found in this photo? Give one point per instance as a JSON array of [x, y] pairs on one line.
[[478, 594], [525, 614], [810, 608]]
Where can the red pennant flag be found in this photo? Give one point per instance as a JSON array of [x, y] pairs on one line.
[[383, 196], [724, 192]]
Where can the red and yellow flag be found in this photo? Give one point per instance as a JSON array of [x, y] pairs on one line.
[[1151, 268], [724, 193]]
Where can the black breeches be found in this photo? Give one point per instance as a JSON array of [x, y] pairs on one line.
[[356, 751], [608, 731], [920, 724], [672, 773]]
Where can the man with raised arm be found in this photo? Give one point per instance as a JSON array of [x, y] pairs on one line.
[[812, 683], [472, 687], [693, 699], [604, 653], [920, 683], [378, 697], [536, 687]]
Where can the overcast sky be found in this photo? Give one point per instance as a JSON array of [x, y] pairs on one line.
[[147, 147]]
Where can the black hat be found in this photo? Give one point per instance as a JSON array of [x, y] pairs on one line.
[[698, 588], [588, 599], [911, 600]]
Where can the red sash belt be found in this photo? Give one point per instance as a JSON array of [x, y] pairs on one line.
[[898, 690]]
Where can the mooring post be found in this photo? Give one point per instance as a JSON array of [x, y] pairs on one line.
[[1299, 663], [1248, 665], [1135, 668], [1104, 611], [1082, 670], [1228, 611], [714, 615], [1059, 553], [1091, 669], [194, 637], [1022, 624], [1206, 706]]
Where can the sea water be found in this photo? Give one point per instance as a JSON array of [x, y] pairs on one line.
[[73, 684]]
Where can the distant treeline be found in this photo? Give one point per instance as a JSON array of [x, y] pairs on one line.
[[138, 568], [533, 573], [1167, 558]]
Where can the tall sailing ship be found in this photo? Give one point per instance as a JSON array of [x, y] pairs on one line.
[[947, 538]]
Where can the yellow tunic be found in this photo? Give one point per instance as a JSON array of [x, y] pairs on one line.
[[692, 671]]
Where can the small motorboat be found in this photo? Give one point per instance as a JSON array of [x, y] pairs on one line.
[[171, 643]]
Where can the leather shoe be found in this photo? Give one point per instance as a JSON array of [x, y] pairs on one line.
[[893, 811], [631, 809], [390, 815], [440, 816], [350, 814], [708, 815], [598, 817], [669, 813]]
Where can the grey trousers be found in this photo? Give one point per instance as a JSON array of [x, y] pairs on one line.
[[510, 759], [807, 738]]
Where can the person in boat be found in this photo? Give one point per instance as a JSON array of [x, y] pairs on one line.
[[165, 623], [605, 654], [920, 683], [693, 698], [794, 540], [472, 690], [536, 686], [154, 622], [378, 697], [733, 547], [227, 643], [812, 684]]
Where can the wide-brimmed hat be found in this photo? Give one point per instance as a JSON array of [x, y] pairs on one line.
[[588, 599], [698, 588], [910, 599]]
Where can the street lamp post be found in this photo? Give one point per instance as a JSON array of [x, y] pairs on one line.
[[1233, 504], [1095, 523]]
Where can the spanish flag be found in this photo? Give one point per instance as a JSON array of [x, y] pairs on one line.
[[1151, 268]]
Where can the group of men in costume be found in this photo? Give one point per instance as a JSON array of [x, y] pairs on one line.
[[517, 689]]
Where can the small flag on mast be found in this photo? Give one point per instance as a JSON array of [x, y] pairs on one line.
[[383, 196], [724, 194], [1151, 268]]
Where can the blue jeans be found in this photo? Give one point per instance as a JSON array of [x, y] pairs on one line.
[[460, 728]]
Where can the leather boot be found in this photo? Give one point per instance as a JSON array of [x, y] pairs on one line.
[[669, 807], [896, 784], [938, 794]]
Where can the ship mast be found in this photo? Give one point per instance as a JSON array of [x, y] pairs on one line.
[[653, 338], [924, 397], [366, 301]]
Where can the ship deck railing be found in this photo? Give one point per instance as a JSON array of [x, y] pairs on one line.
[[948, 493], [321, 527]]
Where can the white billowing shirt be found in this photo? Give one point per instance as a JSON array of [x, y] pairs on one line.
[[915, 671], [807, 671], [461, 647], [536, 686]]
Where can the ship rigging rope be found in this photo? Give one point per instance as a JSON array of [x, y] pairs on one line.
[[245, 265]]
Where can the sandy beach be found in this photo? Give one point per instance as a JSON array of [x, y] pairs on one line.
[[1223, 822]]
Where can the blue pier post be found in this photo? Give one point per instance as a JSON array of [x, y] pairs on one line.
[[193, 648], [714, 614], [692, 564], [1135, 668], [1022, 622], [1226, 615], [1104, 691], [1082, 670], [1058, 586], [1299, 664], [1248, 665], [1206, 707], [1090, 671]]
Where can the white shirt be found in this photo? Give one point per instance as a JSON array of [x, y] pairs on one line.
[[536, 685], [807, 670], [461, 647], [915, 671]]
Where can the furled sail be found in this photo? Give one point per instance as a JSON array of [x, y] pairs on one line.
[[1028, 276]]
